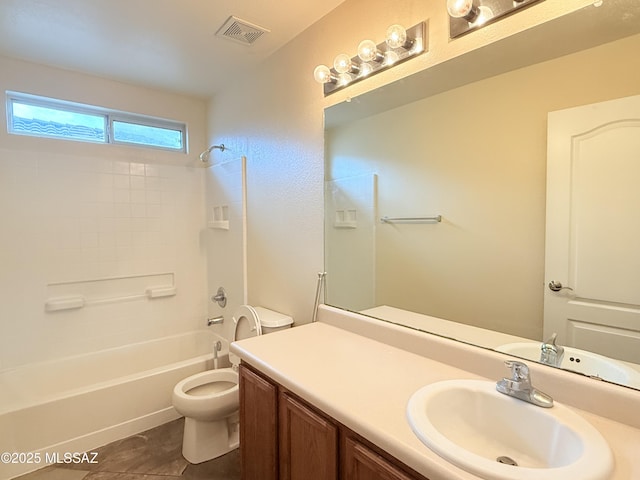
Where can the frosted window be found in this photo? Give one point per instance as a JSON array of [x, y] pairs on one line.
[[125, 132], [49, 117], [43, 121]]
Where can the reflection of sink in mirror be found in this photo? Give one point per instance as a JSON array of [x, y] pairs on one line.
[[580, 361], [486, 433]]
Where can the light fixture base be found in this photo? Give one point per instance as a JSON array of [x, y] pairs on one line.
[[416, 36], [498, 9]]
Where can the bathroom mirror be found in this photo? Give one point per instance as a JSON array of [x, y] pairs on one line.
[[465, 142]]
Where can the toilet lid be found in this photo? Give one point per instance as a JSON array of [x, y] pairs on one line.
[[246, 323]]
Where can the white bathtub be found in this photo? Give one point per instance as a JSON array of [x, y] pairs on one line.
[[79, 403]]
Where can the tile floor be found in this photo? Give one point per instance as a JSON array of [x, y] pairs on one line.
[[151, 455]]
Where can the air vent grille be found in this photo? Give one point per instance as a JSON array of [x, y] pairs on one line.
[[241, 31]]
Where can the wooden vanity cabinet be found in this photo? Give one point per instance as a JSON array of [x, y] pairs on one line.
[[284, 438], [360, 462], [308, 442], [258, 426]]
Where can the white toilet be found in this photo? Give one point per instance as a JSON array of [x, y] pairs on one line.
[[209, 400]]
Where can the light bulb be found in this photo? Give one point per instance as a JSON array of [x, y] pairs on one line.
[[322, 74], [344, 79], [391, 57], [342, 63], [460, 8], [484, 15], [365, 69], [367, 50], [396, 36]]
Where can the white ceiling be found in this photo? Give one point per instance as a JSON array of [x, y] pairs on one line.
[[167, 44]]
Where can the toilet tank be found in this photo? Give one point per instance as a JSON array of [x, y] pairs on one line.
[[271, 321]]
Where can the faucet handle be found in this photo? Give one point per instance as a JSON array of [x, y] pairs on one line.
[[550, 352], [519, 370], [551, 344], [552, 339]]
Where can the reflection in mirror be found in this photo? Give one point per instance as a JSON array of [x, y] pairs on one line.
[[476, 155]]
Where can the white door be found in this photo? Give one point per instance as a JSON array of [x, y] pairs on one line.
[[593, 228]]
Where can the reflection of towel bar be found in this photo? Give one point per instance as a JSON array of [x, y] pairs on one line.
[[433, 219]]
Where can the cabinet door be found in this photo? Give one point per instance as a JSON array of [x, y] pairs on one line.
[[308, 443], [258, 427], [362, 463]]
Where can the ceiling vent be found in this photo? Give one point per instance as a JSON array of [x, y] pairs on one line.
[[241, 31]]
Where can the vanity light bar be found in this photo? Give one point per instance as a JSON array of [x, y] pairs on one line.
[[400, 45], [468, 15]]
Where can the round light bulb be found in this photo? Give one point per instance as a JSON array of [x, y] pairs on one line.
[[344, 79], [365, 69], [367, 50], [322, 74], [391, 57], [396, 36], [342, 63], [459, 8], [484, 15]]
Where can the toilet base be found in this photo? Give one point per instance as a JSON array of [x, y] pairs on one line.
[[204, 441]]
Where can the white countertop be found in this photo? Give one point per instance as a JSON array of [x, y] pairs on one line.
[[365, 385]]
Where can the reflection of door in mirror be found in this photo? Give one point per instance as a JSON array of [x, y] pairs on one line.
[[593, 174]]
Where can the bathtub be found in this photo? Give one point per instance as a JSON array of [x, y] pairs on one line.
[[79, 403]]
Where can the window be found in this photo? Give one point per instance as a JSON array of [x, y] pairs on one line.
[[50, 121], [47, 117], [135, 131]]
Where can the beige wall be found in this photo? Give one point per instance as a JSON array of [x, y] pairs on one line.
[[274, 117], [81, 212], [477, 156]]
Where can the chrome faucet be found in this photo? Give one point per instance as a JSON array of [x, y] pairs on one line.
[[551, 354], [519, 386]]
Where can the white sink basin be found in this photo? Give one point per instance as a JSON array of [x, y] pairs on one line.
[[471, 425], [580, 361]]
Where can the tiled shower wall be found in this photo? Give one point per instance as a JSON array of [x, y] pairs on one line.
[[82, 213], [71, 219]]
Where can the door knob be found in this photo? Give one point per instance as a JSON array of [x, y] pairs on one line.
[[557, 286]]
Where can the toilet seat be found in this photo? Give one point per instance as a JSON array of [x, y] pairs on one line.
[[219, 401], [246, 323], [210, 408]]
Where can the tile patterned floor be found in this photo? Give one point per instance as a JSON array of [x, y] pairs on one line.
[[151, 455]]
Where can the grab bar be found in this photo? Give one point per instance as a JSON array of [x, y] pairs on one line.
[[433, 219]]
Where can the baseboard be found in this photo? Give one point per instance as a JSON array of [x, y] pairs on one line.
[[91, 441]]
